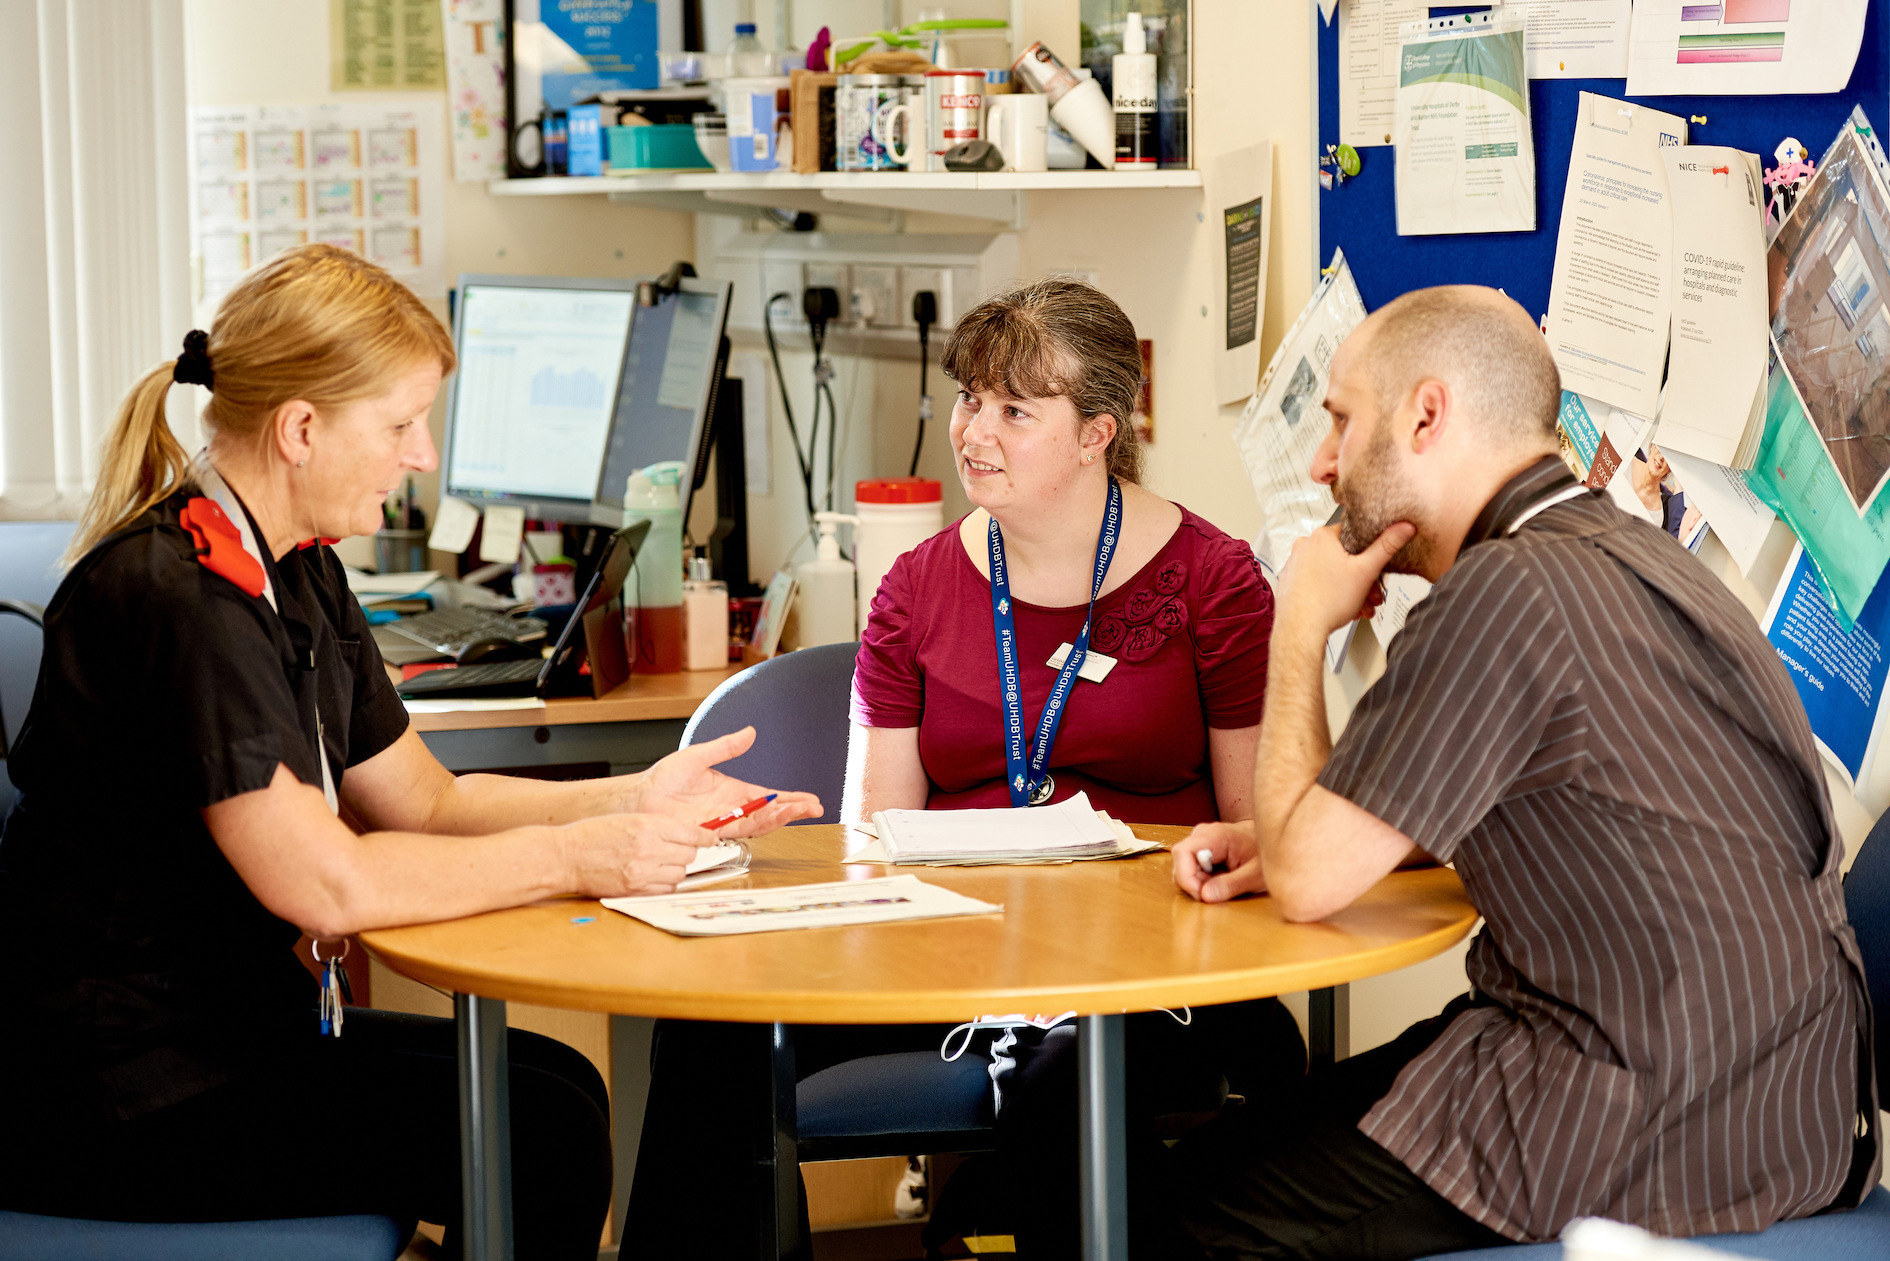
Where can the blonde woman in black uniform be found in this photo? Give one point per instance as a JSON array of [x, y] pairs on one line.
[[210, 709]]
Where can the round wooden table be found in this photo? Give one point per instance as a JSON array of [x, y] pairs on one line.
[[1102, 938]]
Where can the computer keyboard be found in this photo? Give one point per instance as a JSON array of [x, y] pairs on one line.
[[449, 631], [499, 678]]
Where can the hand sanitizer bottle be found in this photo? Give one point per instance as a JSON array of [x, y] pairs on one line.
[[705, 617], [823, 597]]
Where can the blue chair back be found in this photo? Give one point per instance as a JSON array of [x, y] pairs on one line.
[[1867, 901], [797, 704]]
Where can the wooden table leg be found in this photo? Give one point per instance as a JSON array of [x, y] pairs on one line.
[[485, 1129], [1103, 1133]]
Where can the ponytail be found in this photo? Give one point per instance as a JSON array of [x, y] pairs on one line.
[[144, 464], [315, 323]]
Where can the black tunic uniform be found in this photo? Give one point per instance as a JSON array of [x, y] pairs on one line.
[[165, 688], [160, 1054]]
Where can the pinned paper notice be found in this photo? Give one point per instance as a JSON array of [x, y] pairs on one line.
[[453, 526], [505, 533]]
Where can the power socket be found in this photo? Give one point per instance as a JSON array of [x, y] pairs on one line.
[[914, 279], [875, 296], [827, 276]]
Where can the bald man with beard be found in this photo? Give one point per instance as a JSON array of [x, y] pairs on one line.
[[1667, 1021]]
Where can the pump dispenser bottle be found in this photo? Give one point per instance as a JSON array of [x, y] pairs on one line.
[[823, 597], [1138, 144]]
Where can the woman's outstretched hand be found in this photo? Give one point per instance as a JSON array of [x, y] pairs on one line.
[[685, 785]]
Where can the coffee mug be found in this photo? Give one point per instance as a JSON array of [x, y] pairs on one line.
[[1018, 124], [895, 126]]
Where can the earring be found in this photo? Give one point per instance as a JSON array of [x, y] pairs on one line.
[[300, 463]]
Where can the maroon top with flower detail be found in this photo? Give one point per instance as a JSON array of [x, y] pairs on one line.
[[1189, 635]]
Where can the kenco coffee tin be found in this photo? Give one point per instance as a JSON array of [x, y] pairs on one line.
[[954, 112]]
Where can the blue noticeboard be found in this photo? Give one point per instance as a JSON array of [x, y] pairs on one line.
[[616, 38], [1360, 217]]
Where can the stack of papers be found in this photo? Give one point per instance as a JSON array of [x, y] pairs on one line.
[[713, 863], [1066, 832], [838, 902]]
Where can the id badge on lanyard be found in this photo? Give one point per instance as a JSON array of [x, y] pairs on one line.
[[1026, 775]]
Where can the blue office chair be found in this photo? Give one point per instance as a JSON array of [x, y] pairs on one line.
[[17, 674], [900, 1104], [1860, 1235], [24, 1237]]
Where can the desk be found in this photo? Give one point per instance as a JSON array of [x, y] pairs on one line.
[[626, 729], [1103, 938]]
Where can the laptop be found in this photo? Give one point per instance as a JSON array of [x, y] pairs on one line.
[[600, 616]]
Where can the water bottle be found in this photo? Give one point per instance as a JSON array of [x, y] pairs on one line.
[[746, 56], [654, 494]]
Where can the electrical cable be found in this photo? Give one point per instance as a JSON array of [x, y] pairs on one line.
[[787, 408], [924, 314]]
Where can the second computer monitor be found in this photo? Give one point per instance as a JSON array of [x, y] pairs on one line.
[[669, 381], [531, 407]]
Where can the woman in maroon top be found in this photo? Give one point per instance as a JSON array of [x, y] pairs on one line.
[[1180, 623], [1168, 736]]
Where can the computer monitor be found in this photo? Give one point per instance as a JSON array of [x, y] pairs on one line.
[[670, 377], [530, 410]]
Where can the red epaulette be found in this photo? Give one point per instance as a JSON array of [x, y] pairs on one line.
[[220, 545]]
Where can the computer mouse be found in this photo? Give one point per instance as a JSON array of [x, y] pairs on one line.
[[974, 155], [493, 649]]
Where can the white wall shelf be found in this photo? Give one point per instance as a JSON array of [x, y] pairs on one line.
[[996, 195]]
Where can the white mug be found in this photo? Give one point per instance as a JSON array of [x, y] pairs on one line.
[[1018, 124], [887, 131]]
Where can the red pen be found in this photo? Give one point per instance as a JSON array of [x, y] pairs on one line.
[[738, 812]]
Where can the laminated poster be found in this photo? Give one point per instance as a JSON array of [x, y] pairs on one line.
[[1743, 47], [475, 87], [1839, 670], [367, 178], [1830, 318], [1465, 159]]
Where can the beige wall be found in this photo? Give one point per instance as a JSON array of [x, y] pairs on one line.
[[275, 52]]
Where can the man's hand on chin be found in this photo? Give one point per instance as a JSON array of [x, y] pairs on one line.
[[1323, 586]]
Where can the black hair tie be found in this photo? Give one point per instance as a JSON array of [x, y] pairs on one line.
[[193, 366]]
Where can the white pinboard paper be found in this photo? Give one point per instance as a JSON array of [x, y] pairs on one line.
[[1466, 161], [839, 902], [1368, 67], [1719, 302], [1743, 47], [1740, 519], [1610, 297], [1577, 39]]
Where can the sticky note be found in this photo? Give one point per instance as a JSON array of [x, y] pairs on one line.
[[454, 525], [505, 533]]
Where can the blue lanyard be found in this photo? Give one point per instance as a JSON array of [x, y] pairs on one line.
[[1028, 784]]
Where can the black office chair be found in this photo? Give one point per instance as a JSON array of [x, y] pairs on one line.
[[16, 671], [900, 1104]]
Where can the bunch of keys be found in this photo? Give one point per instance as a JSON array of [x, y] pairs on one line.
[[336, 992]]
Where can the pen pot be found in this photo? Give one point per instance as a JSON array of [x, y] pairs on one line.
[[400, 551]]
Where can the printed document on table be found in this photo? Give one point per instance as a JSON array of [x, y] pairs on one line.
[[1368, 66], [1285, 420], [1610, 294], [833, 904], [1465, 158], [1719, 303], [1839, 672], [1743, 47], [1577, 39]]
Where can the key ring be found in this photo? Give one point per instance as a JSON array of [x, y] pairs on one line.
[[315, 950]]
